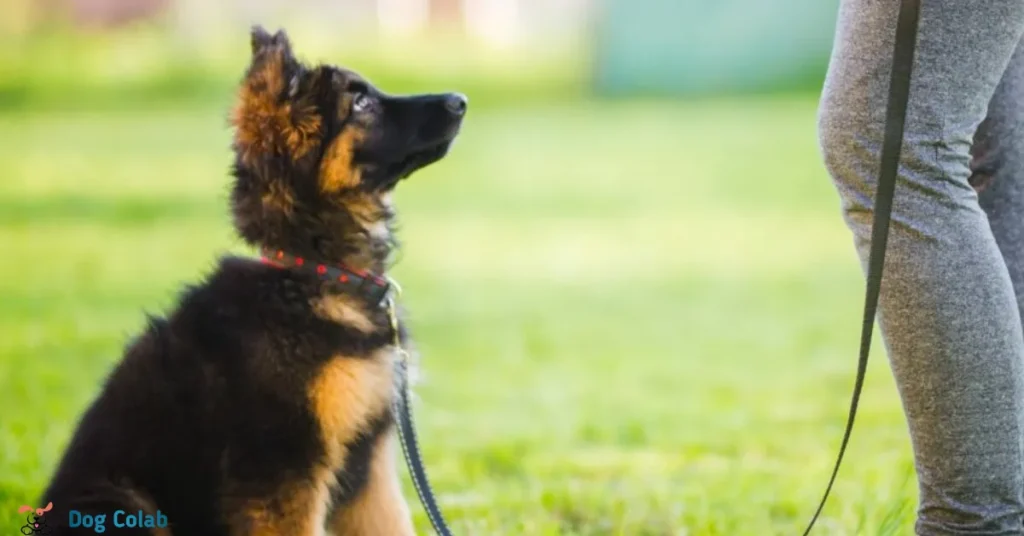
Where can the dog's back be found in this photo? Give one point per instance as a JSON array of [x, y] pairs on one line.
[[155, 436]]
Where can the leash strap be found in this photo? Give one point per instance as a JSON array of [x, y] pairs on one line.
[[892, 145], [411, 450], [402, 411]]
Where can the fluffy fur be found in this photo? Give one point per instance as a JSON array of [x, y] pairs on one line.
[[260, 403]]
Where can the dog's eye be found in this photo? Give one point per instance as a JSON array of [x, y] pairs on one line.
[[361, 102]]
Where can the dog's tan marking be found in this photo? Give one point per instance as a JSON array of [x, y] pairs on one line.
[[263, 126], [278, 197], [365, 208], [337, 171], [369, 212], [342, 309], [299, 509], [380, 508], [262, 123], [347, 394], [302, 133]]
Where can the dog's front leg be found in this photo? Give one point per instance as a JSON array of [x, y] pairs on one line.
[[296, 509], [380, 508]]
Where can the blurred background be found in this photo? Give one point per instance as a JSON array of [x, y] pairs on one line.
[[636, 301]]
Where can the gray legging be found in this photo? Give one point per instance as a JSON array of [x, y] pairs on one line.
[[953, 285]]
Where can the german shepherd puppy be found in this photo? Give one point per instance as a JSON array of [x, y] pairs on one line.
[[261, 404]]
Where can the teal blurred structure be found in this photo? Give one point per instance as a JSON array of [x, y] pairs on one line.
[[687, 47]]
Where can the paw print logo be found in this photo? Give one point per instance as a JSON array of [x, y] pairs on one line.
[[35, 524]]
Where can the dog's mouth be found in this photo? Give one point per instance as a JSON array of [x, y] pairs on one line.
[[417, 160], [424, 157]]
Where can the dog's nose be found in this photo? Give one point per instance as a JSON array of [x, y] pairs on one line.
[[456, 103]]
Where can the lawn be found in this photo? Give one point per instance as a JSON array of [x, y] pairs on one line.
[[635, 318]]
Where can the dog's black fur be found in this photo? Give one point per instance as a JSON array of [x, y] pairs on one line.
[[259, 405]]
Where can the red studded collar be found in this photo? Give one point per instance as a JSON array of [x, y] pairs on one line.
[[358, 282]]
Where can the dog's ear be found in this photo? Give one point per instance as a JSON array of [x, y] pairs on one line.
[[263, 42], [270, 117], [274, 67]]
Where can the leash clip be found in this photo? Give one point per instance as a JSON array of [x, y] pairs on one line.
[[391, 302], [394, 289]]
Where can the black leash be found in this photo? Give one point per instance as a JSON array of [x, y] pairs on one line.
[[402, 411], [411, 449], [892, 145]]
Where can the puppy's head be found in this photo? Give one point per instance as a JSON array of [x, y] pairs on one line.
[[319, 149]]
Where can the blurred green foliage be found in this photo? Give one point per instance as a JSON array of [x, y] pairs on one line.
[[144, 66]]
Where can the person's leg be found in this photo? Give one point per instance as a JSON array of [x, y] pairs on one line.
[[998, 167], [948, 312]]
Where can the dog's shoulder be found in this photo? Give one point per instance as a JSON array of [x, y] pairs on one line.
[[262, 312]]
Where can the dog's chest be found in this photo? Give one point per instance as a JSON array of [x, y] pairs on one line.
[[349, 396]]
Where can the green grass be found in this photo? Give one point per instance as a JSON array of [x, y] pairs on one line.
[[635, 319]]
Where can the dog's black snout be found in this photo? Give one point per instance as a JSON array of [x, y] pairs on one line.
[[456, 103]]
